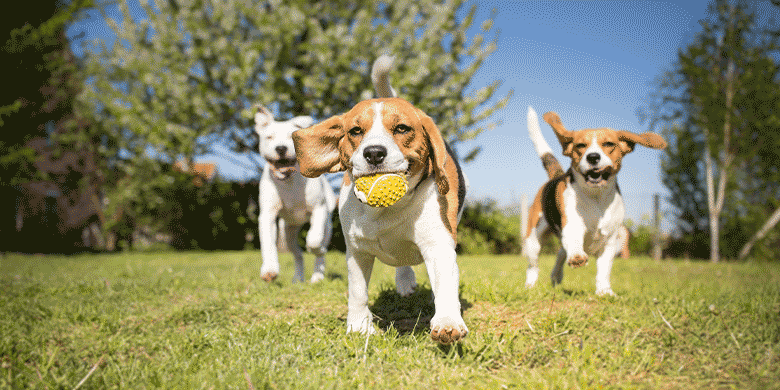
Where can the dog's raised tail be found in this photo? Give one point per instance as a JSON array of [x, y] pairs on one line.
[[379, 76], [550, 163]]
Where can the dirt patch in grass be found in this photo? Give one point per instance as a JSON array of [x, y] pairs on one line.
[[498, 316]]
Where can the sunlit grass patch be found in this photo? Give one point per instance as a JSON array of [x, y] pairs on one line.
[[203, 320]]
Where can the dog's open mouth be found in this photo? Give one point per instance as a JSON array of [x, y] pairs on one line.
[[597, 177], [283, 163], [283, 167]]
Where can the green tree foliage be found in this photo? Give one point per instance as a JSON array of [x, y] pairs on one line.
[[181, 75], [683, 175], [39, 84], [719, 109], [41, 81]]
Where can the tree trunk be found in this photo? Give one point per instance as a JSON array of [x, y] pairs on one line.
[[770, 223], [713, 213], [715, 202], [656, 227]]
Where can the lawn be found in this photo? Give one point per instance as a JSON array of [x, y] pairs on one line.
[[206, 320]]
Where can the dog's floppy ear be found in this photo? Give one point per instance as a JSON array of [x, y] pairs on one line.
[[302, 121], [438, 152], [565, 137], [263, 118], [649, 140], [317, 147]]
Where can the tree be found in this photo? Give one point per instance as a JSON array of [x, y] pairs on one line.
[[713, 106], [683, 176], [36, 90], [36, 105], [766, 161], [186, 74]]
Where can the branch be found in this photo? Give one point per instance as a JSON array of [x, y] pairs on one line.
[[768, 225]]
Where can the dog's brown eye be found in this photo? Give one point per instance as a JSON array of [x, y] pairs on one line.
[[402, 129], [609, 144], [580, 146], [355, 131]]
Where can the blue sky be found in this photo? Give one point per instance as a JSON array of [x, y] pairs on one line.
[[593, 62]]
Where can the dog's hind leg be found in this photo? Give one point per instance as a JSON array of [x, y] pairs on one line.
[[318, 273], [317, 241], [556, 276], [405, 281], [291, 235], [531, 249]]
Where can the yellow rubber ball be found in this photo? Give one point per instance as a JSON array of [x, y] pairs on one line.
[[381, 190]]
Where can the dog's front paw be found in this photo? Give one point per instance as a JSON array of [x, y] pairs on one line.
[[362, 323], [605, 292], [531, 275], [269, 276], [316, 277], [318, 273], [577, 260], [448, 330]]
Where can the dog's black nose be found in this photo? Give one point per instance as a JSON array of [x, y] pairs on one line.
[[375, 154], [593, 158], [282, 150]]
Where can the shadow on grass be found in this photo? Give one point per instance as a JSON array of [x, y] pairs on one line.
[[574, 293], [407, 315], [331, 276]]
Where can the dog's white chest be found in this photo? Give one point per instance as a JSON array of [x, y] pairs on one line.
[[391, 250], [601, 217], [293, 199], [387, 233]]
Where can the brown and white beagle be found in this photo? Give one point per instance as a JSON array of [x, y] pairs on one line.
[[384, 136], [583, 205]]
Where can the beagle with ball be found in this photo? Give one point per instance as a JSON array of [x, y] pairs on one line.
[[583, 205], [390, 135]]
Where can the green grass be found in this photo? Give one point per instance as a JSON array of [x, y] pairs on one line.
[[206, 320]]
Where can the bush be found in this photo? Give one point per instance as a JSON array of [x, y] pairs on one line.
[[486, 229], [640, 243], [212, 216]]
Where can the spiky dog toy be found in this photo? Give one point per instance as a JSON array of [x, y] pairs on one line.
[[381, 190]]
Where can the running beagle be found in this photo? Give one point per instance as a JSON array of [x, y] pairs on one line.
[[583, 205], [382, 136]]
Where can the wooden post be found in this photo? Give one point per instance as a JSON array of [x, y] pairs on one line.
[[657, 229], [523, 218]]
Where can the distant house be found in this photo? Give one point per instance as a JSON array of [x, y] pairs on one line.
[[143, 236], [203, 172], [60, 214], [65, 214]]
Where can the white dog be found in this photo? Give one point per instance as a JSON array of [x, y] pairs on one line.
[[292, 199], [390, 135], [583, 206]]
